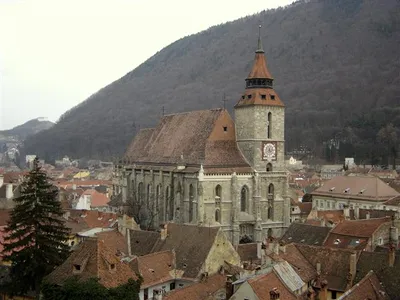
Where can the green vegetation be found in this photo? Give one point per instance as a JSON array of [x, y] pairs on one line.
[[73, 289], [35, 235], [336, 64]]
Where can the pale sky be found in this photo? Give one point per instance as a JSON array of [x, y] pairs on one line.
[[56, 53]]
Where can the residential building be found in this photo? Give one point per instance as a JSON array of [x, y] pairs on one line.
[[204, 168], [351, 191], [305, 234]]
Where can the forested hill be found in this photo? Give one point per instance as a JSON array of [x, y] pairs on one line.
[[28, 128], [335, 62]]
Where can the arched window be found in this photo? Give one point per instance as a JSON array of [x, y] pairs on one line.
[[169, 205], [191, 199], [140, 192], [243, 198], [269, 167], [218, 194], [157, 200], [269, 130], [271, 201], [148, 195], [217, 215]]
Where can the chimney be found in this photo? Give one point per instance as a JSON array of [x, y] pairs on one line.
[[164, 232], [274, 294], [367, 216], [394, 236], [323, 293], [259, 250], [318, 268], [276, 247], [74, 187], [1, 180], [128, 241], [99, 215], [229, 287], [357, 212], [9, 191], [323, 224], [392, 255]]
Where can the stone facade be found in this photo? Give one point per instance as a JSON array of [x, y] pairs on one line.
[[246, 196]]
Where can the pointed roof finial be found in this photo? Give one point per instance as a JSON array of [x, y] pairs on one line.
[[259, 47]]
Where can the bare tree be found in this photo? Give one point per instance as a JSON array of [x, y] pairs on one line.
[[144, 212]]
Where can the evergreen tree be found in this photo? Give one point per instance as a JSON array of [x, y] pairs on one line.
[[36, 235]]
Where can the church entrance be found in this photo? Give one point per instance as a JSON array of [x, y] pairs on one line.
[[246, 233]]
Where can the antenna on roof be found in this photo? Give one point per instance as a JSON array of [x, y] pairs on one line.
[[224, 100], [259, 46]]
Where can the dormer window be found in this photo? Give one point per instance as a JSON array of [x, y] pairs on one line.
[[225, 128], [332, 189], [347, 190], [272, 97], [112, 266], [243, 97], [77, 269], [249, 96], [263, 97], [337, 242]]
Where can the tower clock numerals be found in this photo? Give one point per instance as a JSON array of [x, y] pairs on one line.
[[268, 151]]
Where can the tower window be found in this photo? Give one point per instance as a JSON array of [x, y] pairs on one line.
[[263, 97], [249, 96], [243, 96], [272, 97], [225, 128]]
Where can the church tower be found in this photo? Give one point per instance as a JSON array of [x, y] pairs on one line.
[[260, 119]]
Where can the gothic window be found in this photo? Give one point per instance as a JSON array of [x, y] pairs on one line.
[[158, 192], [269, 129], [270, 201], [217, 215], [244, 194], [269, 167], [169, 205], [140, 192], [218, 194], [191, 199]]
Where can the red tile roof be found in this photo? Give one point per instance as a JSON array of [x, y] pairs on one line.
[[80, 220], [199, 291], [95, 259], [156, 268], [263, 284], [4, 216], [97, 199], [369, 287], [115, 241], [359, 228]]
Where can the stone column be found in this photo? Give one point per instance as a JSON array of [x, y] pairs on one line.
[[257, 208], [200, 197]]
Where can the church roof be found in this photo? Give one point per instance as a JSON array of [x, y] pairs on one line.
[[192, 138], [259, 69]]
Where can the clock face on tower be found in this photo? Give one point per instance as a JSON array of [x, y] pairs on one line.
[[269, 151]]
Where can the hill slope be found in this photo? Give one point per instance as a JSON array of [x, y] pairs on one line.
[[333, 60], [28, 128]]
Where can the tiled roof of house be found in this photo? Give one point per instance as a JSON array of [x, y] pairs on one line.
[[305, 208], [203, 290], [379, 263], [184, 239], [97, 199], [357, 187], [93, 259], [248, 252], [335, 263], [156, 268], [369, 288], [330, 216], [195, 138], [305, 234], [263, 284], [80, 220], [376, 213], [346, 242], [4, 216], [298, 262], [360, 228], [115, 241]]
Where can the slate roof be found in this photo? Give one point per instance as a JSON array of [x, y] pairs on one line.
[[379, 263], [191, 138], [369, 288], [184, 239], [305, 234], [95, 260], [376, 213], [203, 290], [335, 263], [359, 187]]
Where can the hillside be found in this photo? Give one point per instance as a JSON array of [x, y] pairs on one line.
[[28, 128], [335, 62]]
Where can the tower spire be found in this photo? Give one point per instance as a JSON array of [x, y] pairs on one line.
[[259, 46]]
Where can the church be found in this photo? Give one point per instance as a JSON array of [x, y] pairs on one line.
[[205, 168]]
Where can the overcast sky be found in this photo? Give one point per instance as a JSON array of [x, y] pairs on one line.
[[55, 53]]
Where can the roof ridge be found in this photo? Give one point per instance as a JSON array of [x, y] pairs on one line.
[[193, 111]]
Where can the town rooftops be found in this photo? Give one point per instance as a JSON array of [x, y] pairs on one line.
[[92, 258], [96, 199], [357, 187], [305, 234], [359, 228], [205, 137]]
